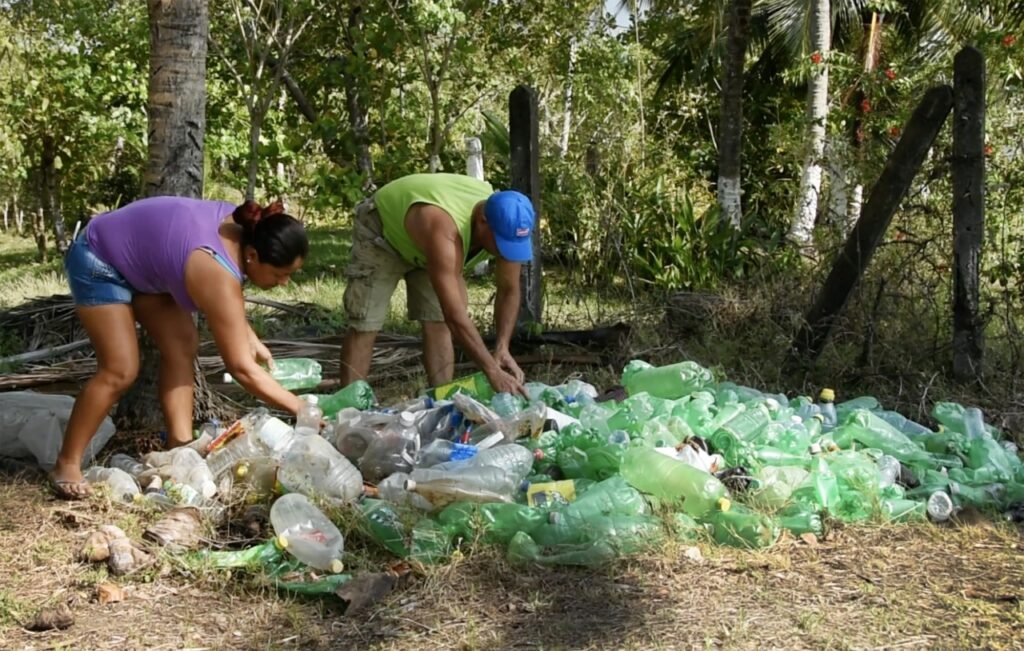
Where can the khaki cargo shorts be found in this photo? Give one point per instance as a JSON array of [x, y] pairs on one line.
[[373, 272]]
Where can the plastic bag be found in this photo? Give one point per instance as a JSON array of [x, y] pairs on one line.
[[32, 425]]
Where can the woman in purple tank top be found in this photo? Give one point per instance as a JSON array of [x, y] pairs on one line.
[[155, 262]]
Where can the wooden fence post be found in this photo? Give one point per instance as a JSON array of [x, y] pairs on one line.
[[904, 162], [968, 211], [525, 172]]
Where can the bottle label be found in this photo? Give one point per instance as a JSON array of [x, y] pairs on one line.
[[551, 493]]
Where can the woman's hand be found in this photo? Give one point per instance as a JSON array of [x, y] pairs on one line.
[[261, 353]]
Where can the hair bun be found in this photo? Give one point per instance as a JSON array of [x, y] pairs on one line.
[[275, 208], [247, 214]]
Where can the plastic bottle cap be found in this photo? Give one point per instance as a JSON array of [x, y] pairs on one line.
[[282, 541], [311, 399], [724, 504], [242, 470], [815, 448], [337, 566], [406, 418], [410, 484], [828, 395]]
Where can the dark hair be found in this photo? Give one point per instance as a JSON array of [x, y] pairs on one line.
[[278, 238]]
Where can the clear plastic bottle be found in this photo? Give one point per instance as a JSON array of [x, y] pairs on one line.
[[442, 451], [393, 451], [265, 436], [128, 464], [940, 506], [889, 470], [122, 485], [307, 421], [313, 467], [304, 532], [525, 424], [474, 484], [827, 409], [515, 460]]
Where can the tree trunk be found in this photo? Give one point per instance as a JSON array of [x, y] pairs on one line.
[[861, 105], [730, 139], [817, 117], [39, 234], [435, 129], [253, 169], [19, 216], [358, 119], [524, 168], [838, 187], [177, 123], [49, 193], [177, 97], [563, 143]]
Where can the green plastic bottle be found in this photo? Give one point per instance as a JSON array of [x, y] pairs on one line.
[[431, 541], [673, 381], [597, 463], [821, 490], [265, 555], [494, 522], [652, 472], [476, 385], [294, 374], [743, 527], [384, 526], [522, 550], [612, 496], [358, 395], [870, 431], [800, 519], [904, 510]]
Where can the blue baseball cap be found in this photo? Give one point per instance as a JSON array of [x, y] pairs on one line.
[[510, 216]]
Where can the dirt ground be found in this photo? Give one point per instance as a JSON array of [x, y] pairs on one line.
[[897, 587]]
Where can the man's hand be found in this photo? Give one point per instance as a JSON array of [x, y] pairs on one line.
[[503, 382], [508, 363]]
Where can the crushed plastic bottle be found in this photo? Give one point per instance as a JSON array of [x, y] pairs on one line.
[[313, 467], [358, 395], [442, 451], [654, 473], [128, 464], [293, 374], [307, 421], [304, 532], [122, 485], [394, 450], [673, 381]]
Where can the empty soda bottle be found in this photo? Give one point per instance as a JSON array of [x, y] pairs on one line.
[[443, 451], [293, 374], [127, 464], [827, 409], [741, 527], [800, 519], [506, 404], [358, 395], [122, 485], [495, 522], [652, 472], [393, 451], [673, 381], [307, 421], [471, 484], [384, 526], [939, 506], [312, 466], [304, 532]]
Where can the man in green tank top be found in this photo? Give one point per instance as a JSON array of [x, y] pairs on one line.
[[426, 229]]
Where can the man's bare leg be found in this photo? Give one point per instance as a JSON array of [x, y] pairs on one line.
[[356, 355], [438, 353]]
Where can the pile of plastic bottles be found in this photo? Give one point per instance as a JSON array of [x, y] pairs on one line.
[[565, 479]]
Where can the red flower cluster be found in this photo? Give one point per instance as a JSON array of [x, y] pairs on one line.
[[988, 150], [816, 58], [894, 132], [865, 106], [890, 74], [1009, 40]]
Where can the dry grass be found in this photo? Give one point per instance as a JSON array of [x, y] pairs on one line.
[[916, 587]]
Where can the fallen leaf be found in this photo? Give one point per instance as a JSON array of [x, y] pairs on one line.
[[810, 539], [109, 593], [693, 554]]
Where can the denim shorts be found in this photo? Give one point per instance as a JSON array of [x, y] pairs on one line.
[[93, 281]]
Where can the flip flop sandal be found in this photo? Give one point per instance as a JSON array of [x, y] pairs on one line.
[[70, 489]]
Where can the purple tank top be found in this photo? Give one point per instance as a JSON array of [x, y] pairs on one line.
[[149, 241]]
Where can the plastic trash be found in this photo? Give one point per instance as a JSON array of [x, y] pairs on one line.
[[32, 427], [313, 467], [384, 526], [471, 484], [442, 451], [940, 506], [293, 374], [494, 522], [307, 421], [475, 385], [654, 473], [127, 464], [358, 395], [527, 423], [506, 404], [122, 485], [672, 381], [827, 409], [305, 533], [741, 527], [394, 450]]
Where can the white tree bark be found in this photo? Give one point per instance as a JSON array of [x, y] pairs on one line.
[[563, 143], [729, 199], [474, 159], [817, 116], [839, 184]]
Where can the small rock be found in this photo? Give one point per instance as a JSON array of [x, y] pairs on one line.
[[693, 554], [810, 539], [109, 593]]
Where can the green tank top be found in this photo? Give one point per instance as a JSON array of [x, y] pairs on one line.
[[456, 194]]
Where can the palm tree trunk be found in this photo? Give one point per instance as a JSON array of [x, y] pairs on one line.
[[177, 123], [570, 72], [817, 117], [730, 138]]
